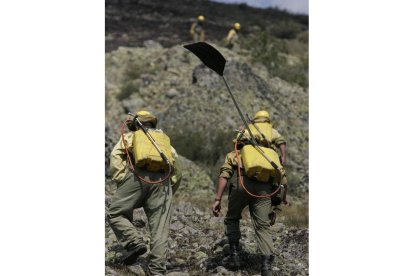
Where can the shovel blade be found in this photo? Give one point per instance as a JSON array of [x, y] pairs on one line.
[[209, 55]]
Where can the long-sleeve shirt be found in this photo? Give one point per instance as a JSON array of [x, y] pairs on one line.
[[229, 165], [197, 29], [231, 37]]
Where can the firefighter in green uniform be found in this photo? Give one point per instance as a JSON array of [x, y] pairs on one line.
[[197, 30], [233, 36], [135, 190], [262, 209]]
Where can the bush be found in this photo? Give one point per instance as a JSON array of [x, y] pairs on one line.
[[134, 71], [126, 91], [272, 53], [287, 29], [204, 149], [297, 73]]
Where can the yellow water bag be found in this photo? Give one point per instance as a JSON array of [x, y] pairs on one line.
[[256, 166], [146, 155], [265, 128]]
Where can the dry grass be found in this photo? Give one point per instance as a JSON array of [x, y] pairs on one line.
[[297, 214]]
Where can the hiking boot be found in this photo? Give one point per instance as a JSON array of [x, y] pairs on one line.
[[233, 260], [266, 269], [132, 255]]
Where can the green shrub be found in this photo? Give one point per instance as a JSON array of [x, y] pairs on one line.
[[134, 71], [287, 29], [272, 52], [303, 37], [204, 150], [126, 91]]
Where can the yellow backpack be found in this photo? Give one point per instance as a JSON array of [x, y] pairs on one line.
[[146, 155], [256, 166]]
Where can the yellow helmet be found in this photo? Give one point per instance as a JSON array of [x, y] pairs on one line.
[[200, 18], [262, 114], [147, 117], [237, 26]]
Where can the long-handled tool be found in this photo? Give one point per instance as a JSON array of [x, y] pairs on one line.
[[214, 60], [257, 128]]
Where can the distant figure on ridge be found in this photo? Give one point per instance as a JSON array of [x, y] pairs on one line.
[[232, 36], [197, 30]]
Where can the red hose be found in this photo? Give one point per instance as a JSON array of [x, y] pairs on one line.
[[241, 177], [132, 167]]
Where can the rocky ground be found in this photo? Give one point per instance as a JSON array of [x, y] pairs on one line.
[[197, 245]]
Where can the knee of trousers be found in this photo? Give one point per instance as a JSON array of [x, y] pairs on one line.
[[262, 225], [118, 209], [114, 212]]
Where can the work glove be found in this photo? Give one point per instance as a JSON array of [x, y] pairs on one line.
[[132, 124], [272, 215], [216, 208], [276, 200]]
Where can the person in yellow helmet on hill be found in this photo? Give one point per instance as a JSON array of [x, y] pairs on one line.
[[251, 191], [144, 179], [269, 137], [233, 36], [197, 30]]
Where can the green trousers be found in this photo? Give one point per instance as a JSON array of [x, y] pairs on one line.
[[259, 208], [156, 201]]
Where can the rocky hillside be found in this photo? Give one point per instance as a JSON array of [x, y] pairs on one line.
[[131, 22], [196, 112], [147, 68], [194, 107], [274, 38]]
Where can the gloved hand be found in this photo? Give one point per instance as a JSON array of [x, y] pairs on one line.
[[132, 124], [276, 200], [272, 215]]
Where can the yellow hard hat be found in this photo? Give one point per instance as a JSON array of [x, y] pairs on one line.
[[200, 18], [147, 117], [237, 26], [143, 113], [262, 114]]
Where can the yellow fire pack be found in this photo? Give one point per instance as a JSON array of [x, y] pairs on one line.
[[256, 166], [265, 128], [146, 155]]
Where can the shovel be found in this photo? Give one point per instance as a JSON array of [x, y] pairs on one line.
[[214, 60]]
